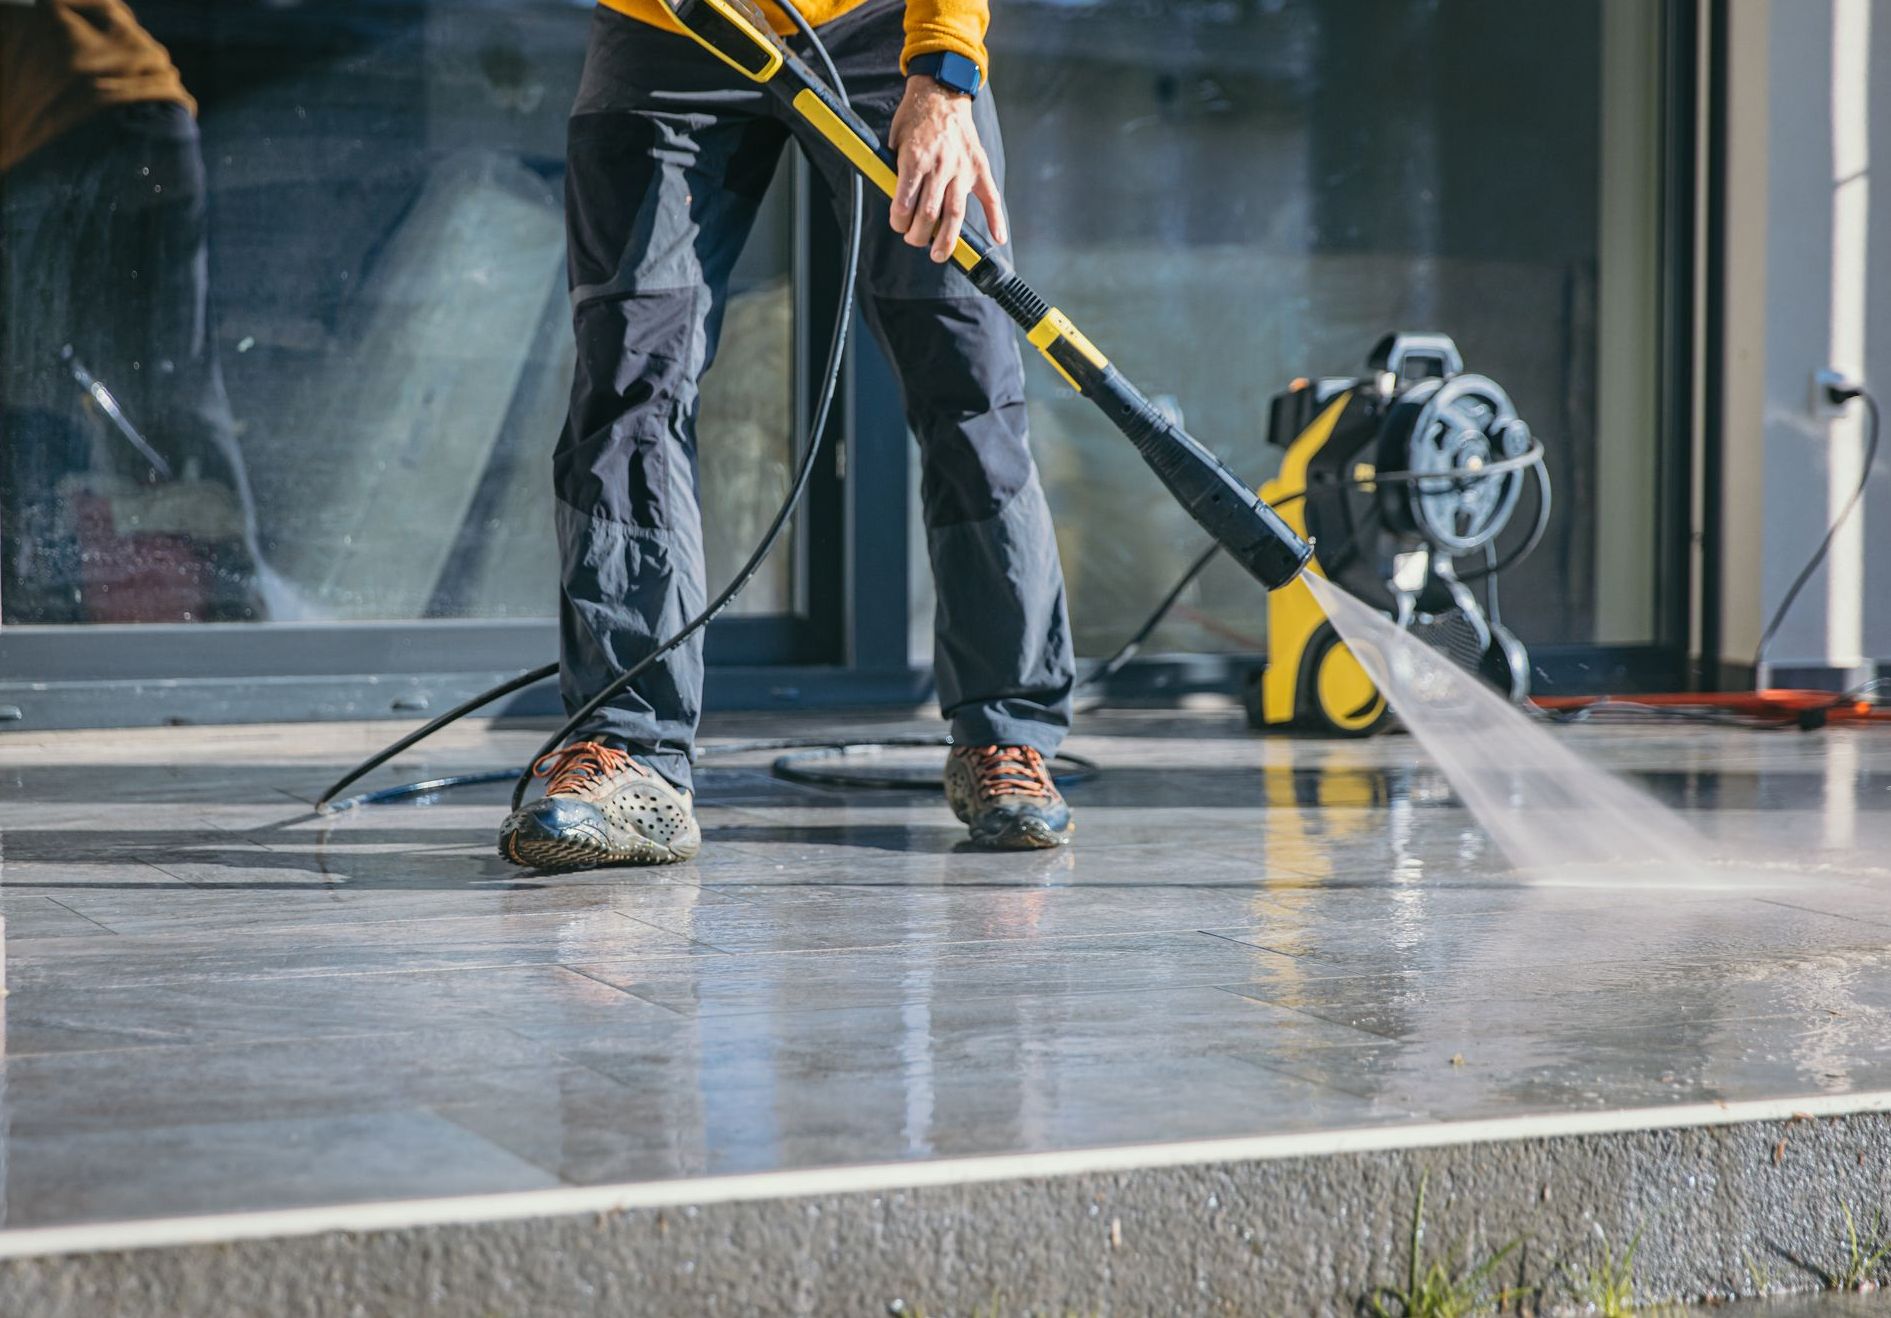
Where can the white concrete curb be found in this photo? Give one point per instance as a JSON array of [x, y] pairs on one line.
[[406, 1214]]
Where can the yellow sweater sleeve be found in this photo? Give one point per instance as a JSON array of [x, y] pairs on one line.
[[950, 25]]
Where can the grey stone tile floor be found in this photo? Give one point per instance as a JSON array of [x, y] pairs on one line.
[[219, 1001], [1866, 1305]]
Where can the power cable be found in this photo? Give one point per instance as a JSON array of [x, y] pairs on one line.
[[1838, 394]]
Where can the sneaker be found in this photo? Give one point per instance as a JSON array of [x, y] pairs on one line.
[[1006, 794], [601, 807]]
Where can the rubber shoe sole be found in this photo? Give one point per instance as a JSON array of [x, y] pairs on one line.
[[569, 851], [529, 839], [1020, 833]]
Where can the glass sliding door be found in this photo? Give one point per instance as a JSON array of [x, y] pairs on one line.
[[388, 354], [1227, 197]]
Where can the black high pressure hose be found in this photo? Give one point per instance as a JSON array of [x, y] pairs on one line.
[[1076, 769], [1076, 766], [823, 407], [830, 383]]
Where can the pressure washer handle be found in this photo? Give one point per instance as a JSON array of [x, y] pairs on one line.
[[737, 33]]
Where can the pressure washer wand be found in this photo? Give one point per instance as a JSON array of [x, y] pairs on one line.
[[737, 33]]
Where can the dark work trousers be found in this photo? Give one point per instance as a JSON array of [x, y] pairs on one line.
[[104, 247], [670, 152]]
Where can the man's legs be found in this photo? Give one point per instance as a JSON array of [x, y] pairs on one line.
[[668, 159], [1003, 651], [669, 156]]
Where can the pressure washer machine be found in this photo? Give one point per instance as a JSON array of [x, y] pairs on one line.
[[1395, 476]]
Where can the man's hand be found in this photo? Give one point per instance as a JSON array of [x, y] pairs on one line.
[[941, 164]]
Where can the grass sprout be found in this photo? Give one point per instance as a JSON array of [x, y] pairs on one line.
[[1608, 1289], [1435, 1290], [1760, 1276], [1862, 1258]]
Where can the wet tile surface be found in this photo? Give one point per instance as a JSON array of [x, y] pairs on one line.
[[219, 1001], [1864, 1305]]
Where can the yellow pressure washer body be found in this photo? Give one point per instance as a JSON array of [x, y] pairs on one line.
[[1393, 475], [1311, 681]]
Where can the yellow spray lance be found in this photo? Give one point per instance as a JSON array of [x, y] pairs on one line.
[[738, 34], [1250, 531]]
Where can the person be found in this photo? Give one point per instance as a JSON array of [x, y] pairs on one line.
[[104, 278], [669, 154]]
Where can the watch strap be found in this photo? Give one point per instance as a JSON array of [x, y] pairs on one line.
[[950, 70]]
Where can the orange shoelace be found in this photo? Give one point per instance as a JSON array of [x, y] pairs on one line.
[[574, 767], [1011, 770]]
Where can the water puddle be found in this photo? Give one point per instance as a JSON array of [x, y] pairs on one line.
[[1558, 818]]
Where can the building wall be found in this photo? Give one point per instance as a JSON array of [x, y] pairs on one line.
[[1808, 284]]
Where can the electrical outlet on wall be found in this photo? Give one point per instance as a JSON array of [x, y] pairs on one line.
[[1831, 390]]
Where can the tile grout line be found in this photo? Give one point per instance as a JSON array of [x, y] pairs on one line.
[[184, 980], [179, 931], [1813, 910], [673, 933], [619, 988], [97, 924]]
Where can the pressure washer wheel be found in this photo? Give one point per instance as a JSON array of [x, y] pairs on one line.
[[1337, 697]]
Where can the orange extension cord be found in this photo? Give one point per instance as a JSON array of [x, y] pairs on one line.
[[1784, 708]]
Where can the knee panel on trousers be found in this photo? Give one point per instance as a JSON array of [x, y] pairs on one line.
[[625, 453], [964, 389]]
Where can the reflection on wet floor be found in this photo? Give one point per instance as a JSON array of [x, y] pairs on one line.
[[255, 1007]]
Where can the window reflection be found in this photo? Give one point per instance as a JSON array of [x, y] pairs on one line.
[[125, 492], [342, 324], [332, 303]]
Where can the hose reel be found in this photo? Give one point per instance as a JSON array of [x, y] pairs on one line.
[[1462, 426]]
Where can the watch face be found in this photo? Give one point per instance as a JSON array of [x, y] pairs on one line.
[[950, 70]]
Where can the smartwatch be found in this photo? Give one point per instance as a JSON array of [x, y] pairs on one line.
[[950, 70]]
